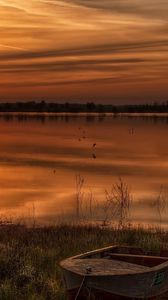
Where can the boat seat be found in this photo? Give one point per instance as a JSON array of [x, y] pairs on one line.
[[144, 260]]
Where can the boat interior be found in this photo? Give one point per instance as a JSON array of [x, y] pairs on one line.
[[129, 255]]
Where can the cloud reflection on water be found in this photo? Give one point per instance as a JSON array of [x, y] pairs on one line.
[[39, 162]]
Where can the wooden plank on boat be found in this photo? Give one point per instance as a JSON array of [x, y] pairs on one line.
[[104, 267], [149, 261]]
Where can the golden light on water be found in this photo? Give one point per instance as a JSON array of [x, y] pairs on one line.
[[40, 160]]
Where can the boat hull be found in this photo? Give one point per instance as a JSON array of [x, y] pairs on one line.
[[137, 286], [102, 295]]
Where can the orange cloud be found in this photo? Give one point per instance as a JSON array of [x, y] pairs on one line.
[[72, 49]]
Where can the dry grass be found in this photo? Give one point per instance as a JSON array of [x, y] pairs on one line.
[[29, 257]]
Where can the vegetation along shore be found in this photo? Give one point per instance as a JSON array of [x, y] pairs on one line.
[[54, 107], [29, 257]]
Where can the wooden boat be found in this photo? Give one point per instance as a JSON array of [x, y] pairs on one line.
[[116, 273]]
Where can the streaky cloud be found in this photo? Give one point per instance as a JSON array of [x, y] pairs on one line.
[[85, 51]]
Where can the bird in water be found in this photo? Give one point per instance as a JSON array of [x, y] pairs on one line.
[[131, 131], [82, 134], [94, 155]]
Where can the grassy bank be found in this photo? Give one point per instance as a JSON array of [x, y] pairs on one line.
[[29, 257]]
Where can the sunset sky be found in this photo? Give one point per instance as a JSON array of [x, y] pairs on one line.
[[109, 51]]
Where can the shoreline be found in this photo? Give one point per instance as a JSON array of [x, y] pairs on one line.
[[29, 257]]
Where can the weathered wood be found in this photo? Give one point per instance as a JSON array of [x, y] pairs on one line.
[[104, 266]]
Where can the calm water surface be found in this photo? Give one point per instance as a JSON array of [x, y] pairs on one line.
[[41, 156]]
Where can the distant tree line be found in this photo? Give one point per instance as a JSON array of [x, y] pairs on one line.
[[52, 107]]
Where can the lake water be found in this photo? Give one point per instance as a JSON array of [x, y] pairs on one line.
[[41, 157]]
